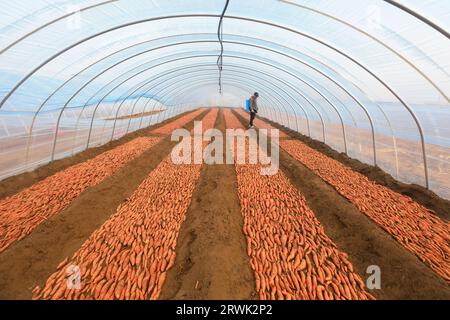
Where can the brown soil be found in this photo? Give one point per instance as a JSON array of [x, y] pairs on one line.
[[421, 195], [31, 261], [16, 183], [212, 261], [403, 275], [211, 246]]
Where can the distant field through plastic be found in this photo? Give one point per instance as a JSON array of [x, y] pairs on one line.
[[368, 78]]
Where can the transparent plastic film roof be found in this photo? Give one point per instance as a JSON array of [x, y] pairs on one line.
[[369, 78]]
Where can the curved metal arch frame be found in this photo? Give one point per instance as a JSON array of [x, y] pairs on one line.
[[104, 97], [134, 55], [420, 17], [281, 53], [164, 82], [209, 81], [337, 111], [371, 123], [257, 71], [247, 74], [89, 83], [334, 18], [271, 50], [161, 74], [255, 46], [274, 95], [163, 47], [385, 45], [52, 22], [236, 83], [268, 75], [307, 84], [322, 42], [234, 42], [92, 118], [196, 15], [300, 79], [107, 95]]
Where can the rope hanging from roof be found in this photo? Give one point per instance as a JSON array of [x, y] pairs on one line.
[[220, 37]]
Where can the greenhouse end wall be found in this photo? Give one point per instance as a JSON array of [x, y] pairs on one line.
[[78, 74]]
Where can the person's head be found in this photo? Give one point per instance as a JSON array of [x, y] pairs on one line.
[[256, 94]]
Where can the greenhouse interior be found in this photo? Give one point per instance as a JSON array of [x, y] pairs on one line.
[[121, 129]]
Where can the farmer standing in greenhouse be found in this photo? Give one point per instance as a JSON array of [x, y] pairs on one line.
[[253, 108]]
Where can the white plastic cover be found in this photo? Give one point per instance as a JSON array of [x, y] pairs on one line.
[[370, 78]]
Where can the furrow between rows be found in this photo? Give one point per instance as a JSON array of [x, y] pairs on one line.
[[417, 228], [129, 255], [178, 123], [21, 213], [290, 253]]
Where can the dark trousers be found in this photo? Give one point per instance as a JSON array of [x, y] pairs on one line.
[[252, 117]]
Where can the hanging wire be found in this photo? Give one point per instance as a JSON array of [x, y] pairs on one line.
[[220, 37]]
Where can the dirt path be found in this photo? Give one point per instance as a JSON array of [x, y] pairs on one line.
[[291, 255], [30, 261], [212, 261], [403, 276], [15, 184]]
